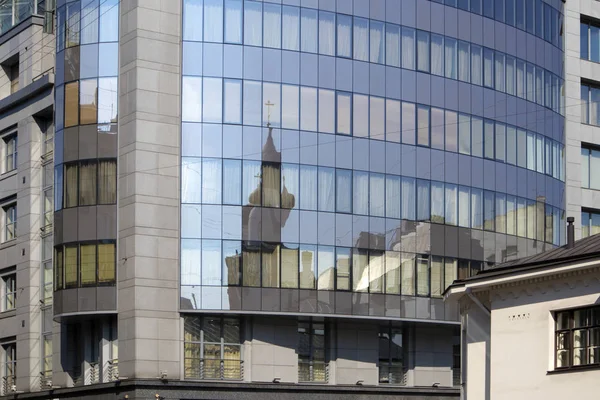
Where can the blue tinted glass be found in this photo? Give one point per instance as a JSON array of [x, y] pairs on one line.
[[529, 15], [361, 39], [326, 33], [253, 23], [463, 4], [476, 6], [213, 21], [109, 59], [233, 21], [291, 33], [109, 20], [192, 58], [520, 14], [594, 46], [344, 35], [488, 8], [309, 30], [272, 26]]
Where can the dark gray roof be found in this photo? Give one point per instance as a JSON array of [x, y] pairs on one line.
[[582, 249]]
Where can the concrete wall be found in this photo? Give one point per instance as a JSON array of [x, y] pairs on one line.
[[148, 188], [521, 350]]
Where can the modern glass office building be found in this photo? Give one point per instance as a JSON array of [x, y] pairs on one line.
[[270, 197]]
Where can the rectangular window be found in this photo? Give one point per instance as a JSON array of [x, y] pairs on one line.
[[451, 66], [9, 365], [589, 41], [423, 125], [360, 270], [392, 45], [344, 36], [212, 348], [107, 182], [499, 68], [343, 266], [291, 33], [9, 292], [253, 23], [489, 139], [10, 222], [488, 68], [233, 21], [71, 104], [106, 263], [326, 33], [88, 109], [437, 54], [10, 153], [423, 51], [464, 134], [312, 349], [232, 102], [463, 61], [289, 266], [87, 264], [577, 337], [361, 39], [408, 123], [392, 194], [408, 48], [272, 26], [87, 183], [391, 355], [590, 222], [13, 76], [70, 266], [344, 113], [500, 142], [377, 42], [476, 65], [489, 212], [408, 274]]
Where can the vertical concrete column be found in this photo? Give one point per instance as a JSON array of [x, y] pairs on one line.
[[148, 188], [28, 255]]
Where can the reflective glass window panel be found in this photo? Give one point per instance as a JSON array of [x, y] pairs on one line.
[[476, 208], [326, 111], [423, 200], [464, 206], [272, 104], [594, 43], [87, 264], [360, 270], [233, 101], [377, 42], [272, 26], [270, 265], [531, 218], [88, 183], [451, 58], [437, 202], [539, 87], [500, 142], [594, 113], [392, 272], [476, 6], [530, 15], [464, 134], [106, 262], [408, 48], [344, 36], [489, 139], [326, 33], [510, 75], [408, 198], [233, 21], [212, 103], [326, 268], [521, 217], [211, 181], [252, 102], [499, 10], [585, 97], [377, 118], [392, 196], [289, 266], [211, 263], [476, 65], [326, 190], [477, 137], [437, 128], [422, 276], [232, 181], [88, 90], [408, 123], [308, 29], [499, 67], [521, 148], [437, 54], [308, 263], [585, 167], [192, 19], [344, 106], [360, 112], [488, 67], [290, 185], [361, 39], [191, 99], [376, 271], [290, 106], [232, 261], [489, 212], [73, 24], [71, 104], [392, 121], [423, 125], [451, 204], [392, 45], [530, 82], [251, 264], [408, 274], [308, 108], [511, 215], [344, 190], [539, 18], [251, 189], [360, 188], [89, 21], [271, 184], [423, 51], [520, 79], [253, 23], [500, 212], [191, 180], [510, 12], [213, 21], [451, 131], [109, 20], [377, 195], [291, 33], [343, 262], [539, 146], [308, 187], [463, 61], [108, 104]]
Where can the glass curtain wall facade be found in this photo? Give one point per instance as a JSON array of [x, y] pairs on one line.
[[358, 157]]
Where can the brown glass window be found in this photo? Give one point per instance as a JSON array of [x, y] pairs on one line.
[[577, 338], [88, 101], [107, 182], [87, 184], [70, 266], [70, 185], [106, 262], [87, 264], [71, 104]]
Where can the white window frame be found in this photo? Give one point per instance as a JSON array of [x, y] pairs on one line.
[[10, 157], [9, 291], [10, 222]]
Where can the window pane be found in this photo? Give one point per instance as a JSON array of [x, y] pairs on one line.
[[88, 90], [106, 262], [423, 123], [488, 68], [213, 20], [408, 198], [343, 113], [408, 274], [233, 102], [392, 47], [308, 187], [309, 30], [343, 265], [291, 33], [464, 134], [308, 109], [191, 99], [107, 182], [451, 131], [308, 261], [108, 105], [451, 204], [361, 192], [423, 51], [360, 272], [423, 200], [437, 55], [233, 21], [290, 106], [251, 190], [377, 195], [360, 110], [87, 254], [463, 61], [251, 264], [70, 266], [408, 123], [476, 208], [289, 266], [270, 265], [252, 102], [290, 186], [71, 104], [476, 65], [377, 118], [326, 33], [344, 190], [489, 139], [326, 270], [500, 142], [326, 111], [437, 202], [344, 35], [361, 39], [408, 48], [326, 190], [392, 193], [451, 58], [87, 184], [437, 128], [272, 26], [252, 23], [70, 184]]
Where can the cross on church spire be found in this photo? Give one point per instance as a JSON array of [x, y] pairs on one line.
[[269, 105]]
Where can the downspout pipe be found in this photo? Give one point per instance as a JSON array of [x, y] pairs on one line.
[[469, 293]]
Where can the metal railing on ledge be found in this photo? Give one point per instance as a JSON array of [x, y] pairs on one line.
[[93, 375], [9, 384], [393, 374], [216, 369], [113, 370], [313, 371], [46, 380]]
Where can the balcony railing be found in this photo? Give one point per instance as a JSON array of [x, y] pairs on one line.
[[9, 384], [113, 370], [14, 11], [313, 371], [214, 369], [393, 374], [93, 375], [46, 380]]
